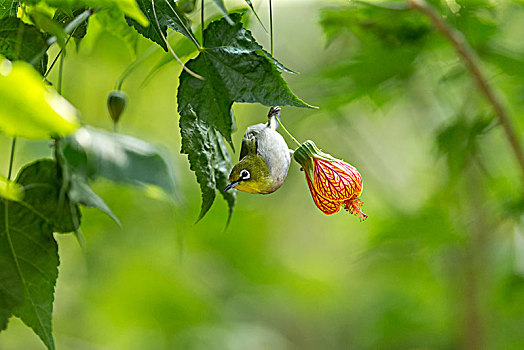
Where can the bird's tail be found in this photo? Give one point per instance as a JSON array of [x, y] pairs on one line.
[[273, 117]]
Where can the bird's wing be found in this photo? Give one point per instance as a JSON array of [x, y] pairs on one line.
[[249, 144]]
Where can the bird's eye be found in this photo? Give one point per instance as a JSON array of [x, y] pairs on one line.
[[245, 175]]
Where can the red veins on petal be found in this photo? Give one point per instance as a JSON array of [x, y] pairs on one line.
[[326, 206], [336, 180]]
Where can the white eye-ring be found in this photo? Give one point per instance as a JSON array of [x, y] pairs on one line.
[[245, 175]]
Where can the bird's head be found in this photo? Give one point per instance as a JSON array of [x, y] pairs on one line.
[[250, 175]]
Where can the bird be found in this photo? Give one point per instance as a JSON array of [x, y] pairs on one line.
[[264, 158]]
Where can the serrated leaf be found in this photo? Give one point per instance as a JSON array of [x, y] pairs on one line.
[[168, 15], [222, 8], [21, 41], [222, 166], [8, 8], [29, 107], [236, 69], [196, 144], [92, 153], [28, 251], [209, 159]]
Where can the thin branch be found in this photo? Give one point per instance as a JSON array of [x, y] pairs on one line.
[[271, 25], [11, 158], [202, 19], [183, 25], [468, 55], [189, 71]]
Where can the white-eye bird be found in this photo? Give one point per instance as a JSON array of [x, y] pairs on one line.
[[264, 158]]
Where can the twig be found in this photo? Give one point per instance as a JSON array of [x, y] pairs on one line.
[[202, 20], [271, 25], [189, 71], [468, 55], [188, 31], [11, 158]]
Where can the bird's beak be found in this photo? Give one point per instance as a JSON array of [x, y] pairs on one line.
[[231, 185]]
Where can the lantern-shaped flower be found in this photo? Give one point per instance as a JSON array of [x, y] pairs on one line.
[[333, 183]]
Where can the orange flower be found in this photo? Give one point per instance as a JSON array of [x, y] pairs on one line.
[[332, 182]]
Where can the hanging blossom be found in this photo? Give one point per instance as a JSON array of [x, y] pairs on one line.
[[332, 182]]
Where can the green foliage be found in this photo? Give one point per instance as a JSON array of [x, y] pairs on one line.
[[10, 190], [222, 8], [28, 251], [235, 69], [458, 142], [21, 41], [65, 17], [91, 153], [8, 8], [168, 15], [46, 113]]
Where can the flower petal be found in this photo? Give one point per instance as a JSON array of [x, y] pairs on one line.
[[336, 180], [326, 206]]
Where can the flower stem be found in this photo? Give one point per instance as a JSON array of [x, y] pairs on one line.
[[271, 26], [11, 158], [288, 133]]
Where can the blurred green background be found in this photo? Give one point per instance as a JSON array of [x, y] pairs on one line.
[[439, 264]]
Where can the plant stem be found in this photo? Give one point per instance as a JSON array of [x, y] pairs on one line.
[[288, 133], [271, 25], [11, 158], [60, 71], [202, 20], [183, 25], [468, 55], [189, 71], [59, 55]]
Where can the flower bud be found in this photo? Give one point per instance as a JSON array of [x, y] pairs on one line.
[[116, 103], [332, 182]]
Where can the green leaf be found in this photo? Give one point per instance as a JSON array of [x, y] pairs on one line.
[[222, 8], [197, 145], [458, 141], [169, 16], [10, 190], [65, 17], [48, 25], [236, 69], [91, 153], [75, 175], [186, 6], [28, 251], [128, 7], [209, 159], [112, 21], [222, 166], [8, 8], [29, 107], [21, 41]]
